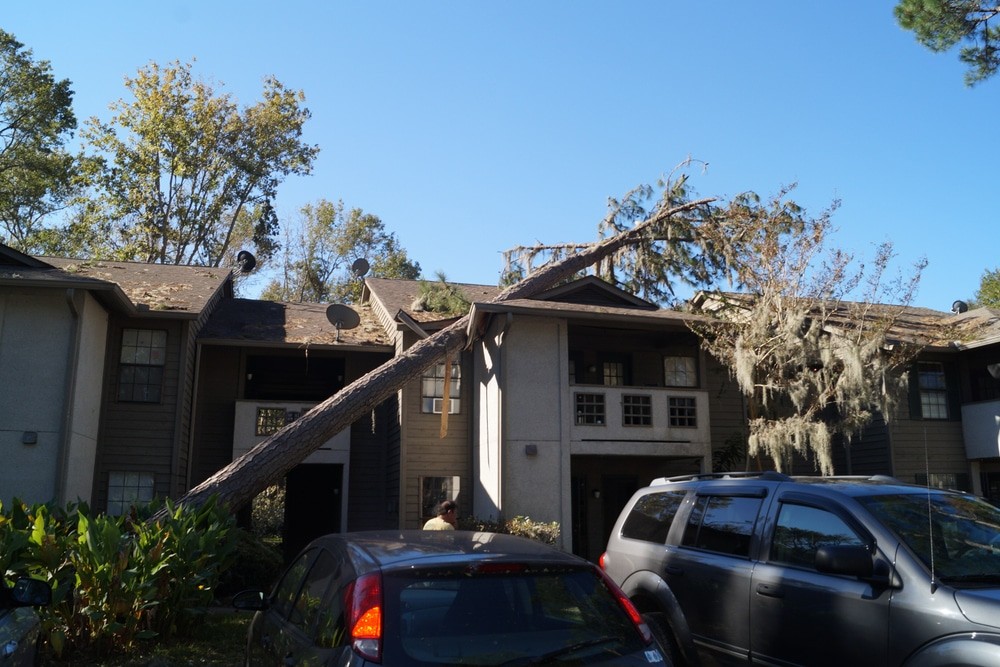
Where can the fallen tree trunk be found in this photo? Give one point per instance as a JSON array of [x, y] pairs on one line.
[[268, 462]]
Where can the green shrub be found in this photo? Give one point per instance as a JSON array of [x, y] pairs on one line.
[[117, 580], [547, 533]]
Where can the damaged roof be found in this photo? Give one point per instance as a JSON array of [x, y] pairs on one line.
[[157, 288], [269, 323]]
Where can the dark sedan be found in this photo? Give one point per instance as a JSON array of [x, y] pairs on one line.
[[438, 598]]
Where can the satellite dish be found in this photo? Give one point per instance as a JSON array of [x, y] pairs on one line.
[[245, 261], [342, 317], [360, 267]]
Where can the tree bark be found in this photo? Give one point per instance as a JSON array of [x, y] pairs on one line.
[[268, 462]]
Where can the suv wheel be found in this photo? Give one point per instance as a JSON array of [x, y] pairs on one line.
[[658, 625]]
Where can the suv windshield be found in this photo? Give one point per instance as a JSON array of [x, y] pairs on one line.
[[957, 537], [506, 615]]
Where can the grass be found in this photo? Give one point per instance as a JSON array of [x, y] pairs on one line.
[[219, 641]]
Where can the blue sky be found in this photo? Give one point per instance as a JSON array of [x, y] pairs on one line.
[[472, 127]]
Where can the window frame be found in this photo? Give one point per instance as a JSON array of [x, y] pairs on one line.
[[148, 360], [682, 416], [142, 490], [590, 408], [637, 410], [432, 389], [933, 396], [671, 373]]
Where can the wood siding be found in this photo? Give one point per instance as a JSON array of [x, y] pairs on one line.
[[220, 380], [140, 437], [427, 454]]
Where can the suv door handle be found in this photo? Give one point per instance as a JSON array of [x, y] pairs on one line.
[[674, 570], [770, 590]]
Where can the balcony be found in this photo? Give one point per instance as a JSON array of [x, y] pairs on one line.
[[255, 421], [639, 414], [981, 429]]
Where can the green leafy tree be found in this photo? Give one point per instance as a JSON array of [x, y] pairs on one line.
[[319, 255], [441, 297], [181, 166], [36, 119], [988, 294], [942, 24], [663, 260]]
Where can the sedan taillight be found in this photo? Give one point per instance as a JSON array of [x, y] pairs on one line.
[[626, 604], [364, 615]]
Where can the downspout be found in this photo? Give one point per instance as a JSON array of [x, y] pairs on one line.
[[73, 300], [194, 417]]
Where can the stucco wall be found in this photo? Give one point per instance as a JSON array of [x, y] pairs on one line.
[[85, 414], [35, 331], [534, 484]]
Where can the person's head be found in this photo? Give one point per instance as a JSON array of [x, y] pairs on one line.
[[448, 510]]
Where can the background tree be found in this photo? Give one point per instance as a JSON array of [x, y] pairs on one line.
[[810, 362], [181, 165], [661, 261], [988, 294], [778, 344], [36, 119], [941, 24], [320, 251]]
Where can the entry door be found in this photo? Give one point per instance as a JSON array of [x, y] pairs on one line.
[[615, 493], [312, 504]]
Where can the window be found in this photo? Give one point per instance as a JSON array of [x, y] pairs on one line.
[[140, 371], [432, 390], [637, 410], [590, 409], [801, 530], [682, 411], [270, 420], [127, 489], [614, 374], [680, 371], [434, 490], [651, 516], [933, 390], [722, 524], [956, 481]]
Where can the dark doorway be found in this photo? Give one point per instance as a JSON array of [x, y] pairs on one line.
[[616, 490], [312, 504]]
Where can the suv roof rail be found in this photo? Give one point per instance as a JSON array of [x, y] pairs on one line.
[[767, 475]]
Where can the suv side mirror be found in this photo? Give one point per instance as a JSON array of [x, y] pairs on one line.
[[850, 559]]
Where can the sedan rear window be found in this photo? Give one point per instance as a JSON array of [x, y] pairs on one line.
[[505, 614]]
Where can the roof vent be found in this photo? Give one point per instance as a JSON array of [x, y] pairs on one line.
[[959, 307]]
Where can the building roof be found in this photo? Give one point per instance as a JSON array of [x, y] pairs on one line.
[[157, 288], [270, 323], [400, 296], [928, 328]]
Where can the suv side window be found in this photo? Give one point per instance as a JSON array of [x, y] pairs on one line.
[[651, 516], [722, 523], [801, 530]]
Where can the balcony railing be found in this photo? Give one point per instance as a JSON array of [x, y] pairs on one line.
[[639, 414]]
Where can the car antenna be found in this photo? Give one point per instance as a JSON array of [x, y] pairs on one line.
[[930, 522]]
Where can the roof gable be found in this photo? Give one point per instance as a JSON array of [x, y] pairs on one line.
[[593, 291]]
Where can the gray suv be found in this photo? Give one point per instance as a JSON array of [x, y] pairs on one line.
[[770, 569]]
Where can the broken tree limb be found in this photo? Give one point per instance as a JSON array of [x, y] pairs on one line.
[[268, 462]]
